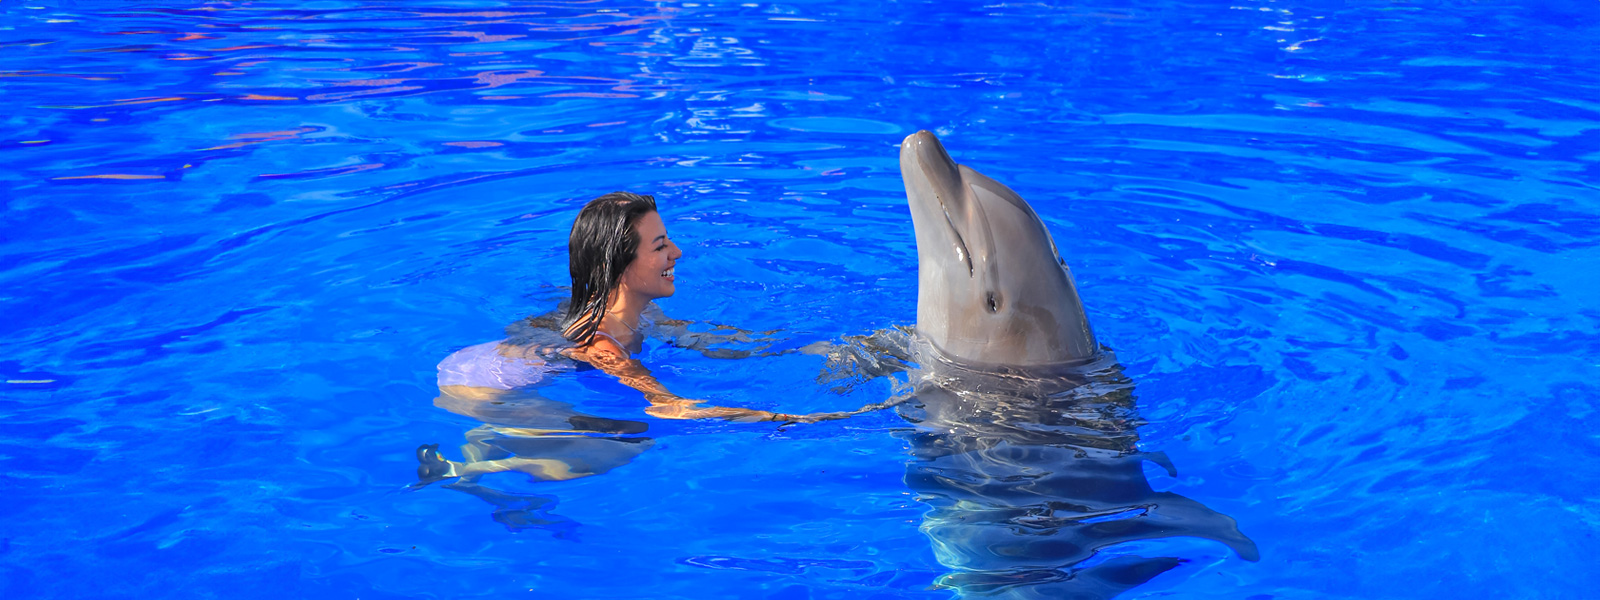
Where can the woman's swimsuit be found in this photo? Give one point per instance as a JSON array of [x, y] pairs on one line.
[[484, 366], [645, 323]]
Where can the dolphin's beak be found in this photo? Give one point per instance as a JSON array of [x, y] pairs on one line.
[[936, 193], [930, 157]]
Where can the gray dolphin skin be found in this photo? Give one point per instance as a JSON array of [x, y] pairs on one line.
[[991, 286], [1025, 439]]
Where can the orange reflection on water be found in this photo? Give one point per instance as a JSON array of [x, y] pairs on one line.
[[272, 135], [588, 95], [145, 101], [450, 28], [121, 176], [347, 95], [486, 15], [112, 49], [483, 37], [391, 67], [262, 136], [372, 82], [328, 172], [68, 75], [494, 79]]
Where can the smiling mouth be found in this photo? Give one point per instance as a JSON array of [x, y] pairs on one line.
[[669, 272]]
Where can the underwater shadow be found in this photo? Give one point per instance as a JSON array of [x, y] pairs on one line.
[[544, 439], [1034, 480]]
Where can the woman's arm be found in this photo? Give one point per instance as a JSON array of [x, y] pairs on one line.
[[666, 405]]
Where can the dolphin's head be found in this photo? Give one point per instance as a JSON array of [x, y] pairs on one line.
[[992, 288]]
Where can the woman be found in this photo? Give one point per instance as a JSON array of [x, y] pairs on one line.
[[620, 259]]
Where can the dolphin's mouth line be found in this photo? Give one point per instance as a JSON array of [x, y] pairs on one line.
[[961, 243]]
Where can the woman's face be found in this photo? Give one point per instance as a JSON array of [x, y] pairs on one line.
[[650, 275]]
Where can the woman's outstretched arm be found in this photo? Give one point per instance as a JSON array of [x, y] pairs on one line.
[[667, 405]]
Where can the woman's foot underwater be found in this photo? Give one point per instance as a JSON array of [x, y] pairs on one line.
[[431, 466]]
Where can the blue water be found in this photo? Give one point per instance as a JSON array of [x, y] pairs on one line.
[[1346, 251]]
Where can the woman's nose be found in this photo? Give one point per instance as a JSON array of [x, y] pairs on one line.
[[676, 251]]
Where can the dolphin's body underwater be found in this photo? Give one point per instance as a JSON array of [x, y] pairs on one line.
[[1025, 445]]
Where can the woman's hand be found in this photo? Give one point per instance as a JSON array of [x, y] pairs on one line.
[[666, 405]]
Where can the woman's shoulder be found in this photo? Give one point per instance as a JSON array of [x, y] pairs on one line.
[[602, 347]]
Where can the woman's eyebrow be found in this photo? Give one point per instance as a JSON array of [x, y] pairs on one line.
[[659, 238]]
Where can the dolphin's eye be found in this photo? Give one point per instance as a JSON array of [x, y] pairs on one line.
[[994, 305]]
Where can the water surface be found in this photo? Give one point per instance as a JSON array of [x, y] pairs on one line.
[[1345, 252]]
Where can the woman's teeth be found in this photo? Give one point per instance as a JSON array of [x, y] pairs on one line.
[[668, 272]]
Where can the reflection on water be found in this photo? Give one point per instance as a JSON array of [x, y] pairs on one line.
[[1034, 482], [273, 54], [544, 439], [499, 383], [1349, 272], [503, 384]]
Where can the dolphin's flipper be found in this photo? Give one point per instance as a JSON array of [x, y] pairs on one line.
[[1198, 520], [1161, 460]]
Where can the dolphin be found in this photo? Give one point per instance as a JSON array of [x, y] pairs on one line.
[[1025, 437], [992, 288]]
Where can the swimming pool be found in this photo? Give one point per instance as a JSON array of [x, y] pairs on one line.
[[1345, 252]]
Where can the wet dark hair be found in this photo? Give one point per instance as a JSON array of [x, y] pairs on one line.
[[602, 245]]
